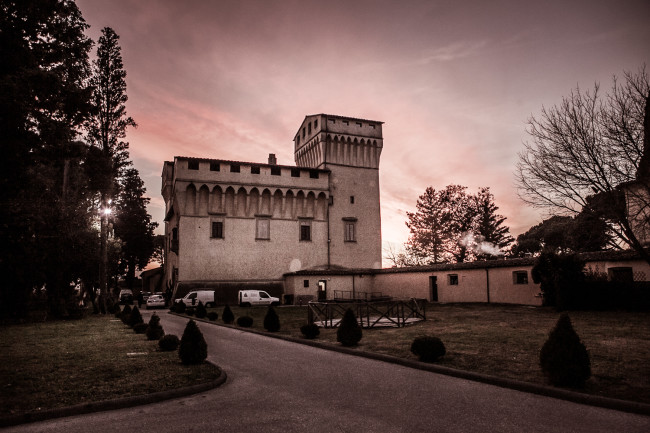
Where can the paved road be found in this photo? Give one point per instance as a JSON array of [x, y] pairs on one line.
[[277, 386]]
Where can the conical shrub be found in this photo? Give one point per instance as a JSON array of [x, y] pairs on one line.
[[126, 314], [180, 307], [227, 316], [193, 349], [349, 332], [563, 358], [154, 330], [135, 317], [271, 320], [201, 312]]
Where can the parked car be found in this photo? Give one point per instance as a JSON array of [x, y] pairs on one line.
[[248, 298], [156, 301], [126, 296], [193, 298]]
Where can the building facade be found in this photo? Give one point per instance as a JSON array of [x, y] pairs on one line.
[[234, 225]]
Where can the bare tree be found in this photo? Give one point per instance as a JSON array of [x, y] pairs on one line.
[[587, 154]]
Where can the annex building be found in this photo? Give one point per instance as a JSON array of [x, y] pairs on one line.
[[233, 225]]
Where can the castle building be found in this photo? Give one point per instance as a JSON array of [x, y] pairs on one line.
[[234, 225]]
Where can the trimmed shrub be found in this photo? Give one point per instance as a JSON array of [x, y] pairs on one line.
[[126, 314], [428, 349], [213, 316], [201, 312], [135, 317], [154, 329], [190, 311], [117, 310], [227, 316], [245, 321], [310, 331], [271, 320], [349, 332], [140, 328], [172, 307], [563, 358], [192, 349], [180, 307], [168, 343]]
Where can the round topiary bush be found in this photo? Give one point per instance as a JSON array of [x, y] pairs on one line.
[[168, 343], [349, 332], [192, 349], [126, 314], [245, 321], [563, 358], [310, 331], [213, 316], [201, 312], [180, 307], [154, 329], [428, 349], [135, 317], [190, 311], [271, 320], [140, 328], [227, 316]]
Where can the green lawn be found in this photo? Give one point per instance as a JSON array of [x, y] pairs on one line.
[[56, 364], [504, 340]]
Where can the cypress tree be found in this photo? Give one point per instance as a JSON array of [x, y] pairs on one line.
[[349, 332], [563, 358], [193, 349], [271, 320]]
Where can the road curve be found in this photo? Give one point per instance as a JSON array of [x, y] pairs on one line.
[[279, 386]]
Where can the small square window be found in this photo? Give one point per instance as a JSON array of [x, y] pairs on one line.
[[276, 171], [295, 172], [520, 277], [263, 229], [255, 169], [217, 229], [372, 126], [350, 231], [359, 124], [192, 165], [305, 231], [214, 166], [332, 121], [453, 279], [313, 174], [305, 283], [234, 168], [345, 122]]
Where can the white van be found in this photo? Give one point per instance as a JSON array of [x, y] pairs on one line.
[[193, 298], [248, 298]]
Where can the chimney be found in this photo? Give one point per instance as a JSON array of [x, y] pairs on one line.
[[272, 159]]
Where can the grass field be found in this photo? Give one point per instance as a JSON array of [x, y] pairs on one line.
[[504, 341], [56, 364]]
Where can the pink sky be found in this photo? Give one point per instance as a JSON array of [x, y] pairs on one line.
[[454, 81]]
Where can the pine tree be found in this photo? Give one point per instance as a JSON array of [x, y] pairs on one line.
[[489, 225]]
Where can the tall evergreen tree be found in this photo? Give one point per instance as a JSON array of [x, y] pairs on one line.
[[107, 130], [44, 223], [489, 225], [133, 224]]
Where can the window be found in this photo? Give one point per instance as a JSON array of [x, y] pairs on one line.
[[255, 169], [351, 199], [332, 121], [305, 231], [520, 277], [315, 123], [214, 166], [350, 231], [453, 279], [217, 229], [276, 171], [303, 132], [309, 128], [192, 165], [263, 229], [359, 124], [313, 174], [295, 172], [305, 283], [372, 126], [234, 168]]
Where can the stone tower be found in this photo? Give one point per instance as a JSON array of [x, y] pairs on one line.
[[350, 149]]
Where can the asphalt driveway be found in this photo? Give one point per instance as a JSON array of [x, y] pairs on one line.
[[279, 386]]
